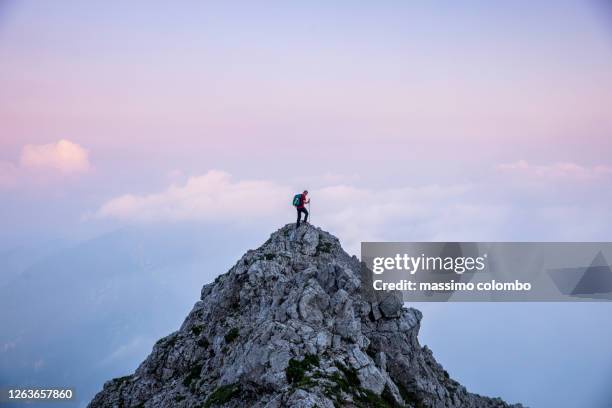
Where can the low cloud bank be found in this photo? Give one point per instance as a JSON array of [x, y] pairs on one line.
[[557, 171], [213, 196], [351, 212], [488, 211]]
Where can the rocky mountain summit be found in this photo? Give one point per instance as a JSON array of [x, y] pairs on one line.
[[293, 324]]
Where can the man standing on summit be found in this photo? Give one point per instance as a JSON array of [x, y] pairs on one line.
[[299, 200]]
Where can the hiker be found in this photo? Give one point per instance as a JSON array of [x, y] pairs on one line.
[[299, 201]]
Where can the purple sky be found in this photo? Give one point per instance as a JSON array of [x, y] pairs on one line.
[[406, 120], [430, 119]]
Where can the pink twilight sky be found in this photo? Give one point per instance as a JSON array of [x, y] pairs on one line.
[[405, 120]]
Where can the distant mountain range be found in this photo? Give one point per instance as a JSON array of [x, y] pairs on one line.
[[76, 315]]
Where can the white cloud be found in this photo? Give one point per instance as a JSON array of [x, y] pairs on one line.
[[417, 213], [560, 171], [44, 163], [463, 212], [63, 156], [354, 214], [210, 197]]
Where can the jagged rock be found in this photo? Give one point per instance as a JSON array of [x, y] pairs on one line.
[[390, 306], [292, 324]]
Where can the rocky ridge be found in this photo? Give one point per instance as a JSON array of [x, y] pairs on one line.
[[292, 324]]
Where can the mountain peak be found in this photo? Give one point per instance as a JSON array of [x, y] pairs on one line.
[[291, 325], [307, 239]]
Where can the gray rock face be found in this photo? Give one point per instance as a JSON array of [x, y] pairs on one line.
[[292, 324]]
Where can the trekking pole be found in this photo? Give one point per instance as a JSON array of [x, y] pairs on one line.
[[309, 213]]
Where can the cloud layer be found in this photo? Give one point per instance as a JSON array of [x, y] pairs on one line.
[[556, 171], [63, 156], [44, 162], [478, 212], [353, 213], [209, 197]]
